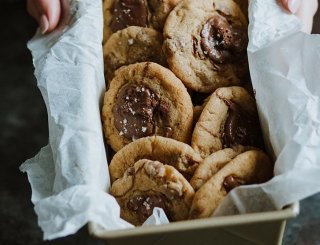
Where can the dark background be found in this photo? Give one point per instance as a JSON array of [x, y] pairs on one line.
[[23, 125]]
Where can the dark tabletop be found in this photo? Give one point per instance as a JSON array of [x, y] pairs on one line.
[[23, 131]]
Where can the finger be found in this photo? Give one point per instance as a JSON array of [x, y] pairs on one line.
[[51, 9], [33, 10], [291, 5], [46, 12], [306, 13], [43, 24]]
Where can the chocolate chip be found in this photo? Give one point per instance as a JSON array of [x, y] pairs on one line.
[[232, 181], [168, 132], [143, 205], [131, 171], [128, 13]]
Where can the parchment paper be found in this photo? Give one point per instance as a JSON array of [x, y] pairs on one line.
[[69, 177]]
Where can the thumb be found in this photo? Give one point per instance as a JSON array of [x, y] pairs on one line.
[[46, 12], [304, 10], [52, 9], [291, 5], [306, 13]]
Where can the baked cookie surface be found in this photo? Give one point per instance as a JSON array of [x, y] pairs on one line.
[[250, 167], [132, 45], [150, 184], [168, 151], [206, 42], [119, 14], [212, 164], [146, 99], [229, 119]]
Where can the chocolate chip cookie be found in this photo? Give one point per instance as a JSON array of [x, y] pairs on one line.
[[132, 45], [212, 164], [150, 184], [250, 167], [229, 119], [168, 151], [146, 99], [119, 14], [206, 42]]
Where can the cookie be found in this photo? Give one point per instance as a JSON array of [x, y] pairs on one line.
[[250, 167], [150, 184], [212, 164], [229, 119], [146, 99], [168, 151], [119, 14], [205, 44], [132, 45]]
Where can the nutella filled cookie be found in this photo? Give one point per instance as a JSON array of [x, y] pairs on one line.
[[205, 44], [132, 45], [168, 151], [250, 167], [149, 184], [229, 119], [146, 99], [212, 164], [119, 14]]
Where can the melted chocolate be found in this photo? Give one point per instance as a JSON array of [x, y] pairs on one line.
[[128, 13], [241, 128], [222, 42], [162, 114], [232, 181], [138, 112], [143, 205]]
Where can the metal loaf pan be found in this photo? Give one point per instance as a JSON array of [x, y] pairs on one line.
[[256, 228]]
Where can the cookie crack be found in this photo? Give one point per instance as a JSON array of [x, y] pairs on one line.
[[208, 131]]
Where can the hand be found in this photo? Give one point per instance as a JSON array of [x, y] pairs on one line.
[[304, 9], [46, 12]]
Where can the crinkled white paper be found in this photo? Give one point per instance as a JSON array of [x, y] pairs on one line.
[[69, 177], [158, 217]]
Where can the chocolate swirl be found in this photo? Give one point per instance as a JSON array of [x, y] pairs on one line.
[[128, 13], [223, 42], [241, 128], [138, 112]]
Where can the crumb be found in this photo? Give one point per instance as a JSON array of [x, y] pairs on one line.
[[130, 41]]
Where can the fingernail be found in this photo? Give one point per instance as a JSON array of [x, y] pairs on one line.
[[294, 5], [44, 24]]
